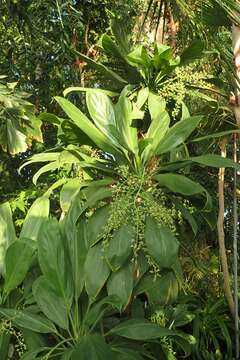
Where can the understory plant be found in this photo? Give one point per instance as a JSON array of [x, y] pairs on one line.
[[93, 283]]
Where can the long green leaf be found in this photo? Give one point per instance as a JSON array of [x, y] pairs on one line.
[[119, 248], [50, 303], [177, 134], [7, 232], [96, 271], [27, 320], [53, 260], [161, 244], [120, 284], [85, 125], [36, 215], [18, 259]]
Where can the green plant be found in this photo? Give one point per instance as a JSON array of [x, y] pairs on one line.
[[18, 124], [135, 174]]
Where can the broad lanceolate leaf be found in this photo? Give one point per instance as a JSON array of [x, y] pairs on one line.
[[27, 320], [120, 284], [140, 330], [68, 193], [180, 184], [97, 311], [101, 110], [156, 132], [102, 69], [215, 161], [124, 121], [177, 134], [161, 244], [97, 223], [36, 215], [92, 347], [96, 270], [119, 248], [50, 303], [161, 290], [76, 242], [7, 232], [53, 260], [86, 125], [18, 259], [156, 105]]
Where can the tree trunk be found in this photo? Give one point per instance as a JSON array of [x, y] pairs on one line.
[[236, 52], [221, 237]]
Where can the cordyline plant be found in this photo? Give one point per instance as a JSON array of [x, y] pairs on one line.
[[116, 242]]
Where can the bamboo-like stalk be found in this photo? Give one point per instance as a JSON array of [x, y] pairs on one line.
[[235, 249], [221, 235], [236, 52]]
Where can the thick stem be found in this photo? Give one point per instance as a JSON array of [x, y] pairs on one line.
[[221, 236]]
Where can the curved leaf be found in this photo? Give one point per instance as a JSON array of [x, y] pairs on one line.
[[120, 284], [18, 259], [50, 304], [96, 271], [7, 232], [160, 242], [36, 215], [119, 248], [177, 134], [27, 320]]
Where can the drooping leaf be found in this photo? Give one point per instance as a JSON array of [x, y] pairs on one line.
[[102, 69], [96, 270], [27, 320], [86, 125], [92, 347], [53, 260], [68, 193], [161, 290], [36, 215], [97, 311], [215, 161], [160, 242], [177, 134], [7, 232], [120, 284], [97, 223], [18, 259], [119, 248], [140, 330], [50, 303], [180, 184]]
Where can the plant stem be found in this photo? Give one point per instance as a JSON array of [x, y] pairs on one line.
[[221, 236]]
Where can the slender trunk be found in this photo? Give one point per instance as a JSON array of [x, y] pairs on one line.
[[236, 52], [221, 237]]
